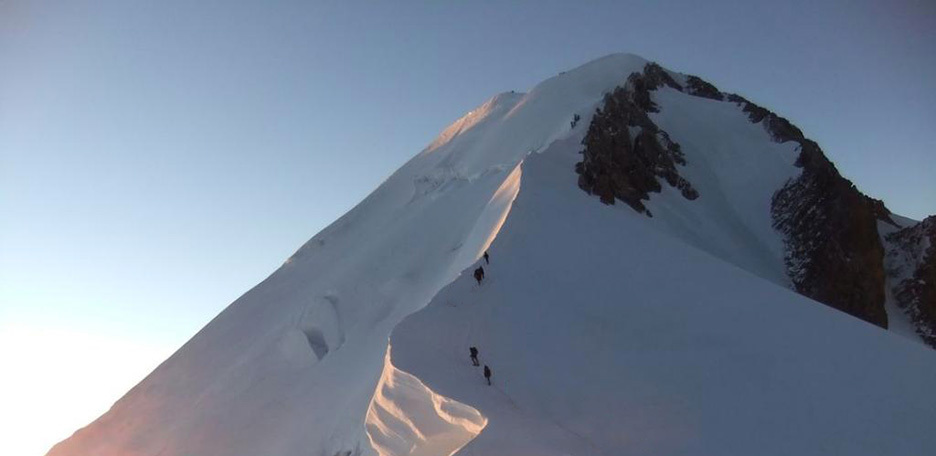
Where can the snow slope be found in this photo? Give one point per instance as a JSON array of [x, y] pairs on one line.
[[603, 343], [677, 343], [736, 168]]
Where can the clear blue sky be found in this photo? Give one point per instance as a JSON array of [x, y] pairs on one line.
[[157, 159]]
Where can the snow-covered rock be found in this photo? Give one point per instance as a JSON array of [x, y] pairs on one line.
[[911, 265]]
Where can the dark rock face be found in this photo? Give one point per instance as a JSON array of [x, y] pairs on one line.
[[696, 86], [833, 251], [625, 152], [913, 263], [656, 77], [780, 129]]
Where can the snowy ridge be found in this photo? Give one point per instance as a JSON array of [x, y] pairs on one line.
[[313, 336], [407, 418], [608, 332], [495, 108]]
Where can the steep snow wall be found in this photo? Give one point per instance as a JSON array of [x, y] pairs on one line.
[[407, 418], [291, 367]]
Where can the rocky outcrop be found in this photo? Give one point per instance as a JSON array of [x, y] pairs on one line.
[[696, 86], [833, 251], [780, 129], [912, 266], [625, 153], [654, 77]]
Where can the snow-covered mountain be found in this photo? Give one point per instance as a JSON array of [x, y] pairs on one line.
[[697, 318]]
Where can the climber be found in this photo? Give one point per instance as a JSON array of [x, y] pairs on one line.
[[474, 356], [487, 374], [486, 258], [479, 274]]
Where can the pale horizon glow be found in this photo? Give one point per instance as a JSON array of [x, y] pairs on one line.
[[93, 382], [157, 160]]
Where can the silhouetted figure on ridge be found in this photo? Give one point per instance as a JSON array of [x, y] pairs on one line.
[[479, 274], [487, 374], [474, 356], [487, 259]]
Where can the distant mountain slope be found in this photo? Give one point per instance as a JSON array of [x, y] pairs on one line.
[[610, 310]]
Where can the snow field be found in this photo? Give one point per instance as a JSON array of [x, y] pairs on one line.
[[607, 336]]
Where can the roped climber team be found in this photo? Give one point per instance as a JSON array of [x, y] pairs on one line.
[[473, 351]]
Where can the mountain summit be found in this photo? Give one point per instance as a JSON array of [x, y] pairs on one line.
[[672, 270]]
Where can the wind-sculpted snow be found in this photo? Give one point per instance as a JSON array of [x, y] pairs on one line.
[[406, 418]]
